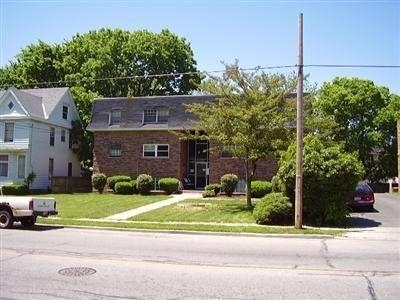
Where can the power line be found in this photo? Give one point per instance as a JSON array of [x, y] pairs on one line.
[[351, 66], [179, 74]]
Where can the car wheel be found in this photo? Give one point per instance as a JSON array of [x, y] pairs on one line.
[[28, 221], [6, 219]]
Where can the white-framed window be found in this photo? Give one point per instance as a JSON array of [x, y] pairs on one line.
[[63, 132], [52, 135], [156, 150], [115, 150], [115, 117], [65, 112], [8, 132], [21, 166], [3, 165], [152, 115]]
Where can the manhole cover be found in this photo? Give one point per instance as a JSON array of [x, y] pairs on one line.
[[77, 271]]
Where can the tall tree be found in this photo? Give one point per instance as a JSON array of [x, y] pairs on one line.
[[108, 63], [251, 114], [356, 106]]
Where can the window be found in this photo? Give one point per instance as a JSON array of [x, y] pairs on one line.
[[21, 166], [152, 115], [153, 150], [52, 134], [227, 151], [63, 135], [51, 168], [3, 165], [163, 115], [115, 150], [115, 116], [69, 169], [69, 139], [10, 105], [65, 112], [9, 132]]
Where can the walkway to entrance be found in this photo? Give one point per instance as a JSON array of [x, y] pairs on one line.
[[137, 211]]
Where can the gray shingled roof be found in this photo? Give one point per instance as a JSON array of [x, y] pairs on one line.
[[132, 112], [39, 103]]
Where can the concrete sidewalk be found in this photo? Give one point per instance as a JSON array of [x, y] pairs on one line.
[[137, 211]]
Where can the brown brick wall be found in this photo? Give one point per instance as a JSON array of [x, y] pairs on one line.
[[265, 170], [131, 161]]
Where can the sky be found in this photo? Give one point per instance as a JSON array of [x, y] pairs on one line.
[[255, 32]]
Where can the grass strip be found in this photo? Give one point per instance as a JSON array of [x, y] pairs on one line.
[[177, 226]]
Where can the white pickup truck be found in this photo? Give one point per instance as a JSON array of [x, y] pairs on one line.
[[24, 209]]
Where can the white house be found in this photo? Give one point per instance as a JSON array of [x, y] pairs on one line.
[[35, 127]]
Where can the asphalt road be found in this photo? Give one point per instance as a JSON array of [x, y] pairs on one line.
[[68, 263]]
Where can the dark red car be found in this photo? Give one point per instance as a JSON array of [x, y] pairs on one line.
[[363, 196]]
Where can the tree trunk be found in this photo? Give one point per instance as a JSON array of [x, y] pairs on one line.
[[250, 169]]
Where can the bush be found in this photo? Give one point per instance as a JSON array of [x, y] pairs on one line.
[[216, 187], [329, 179], [134, 188], [260, 188], [144, 184], [99, 181], [112, 180], [124, 188], [15, 189], [208, 194], [273, 209], [228, 183], [169, 185]]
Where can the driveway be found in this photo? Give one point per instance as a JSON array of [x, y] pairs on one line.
[[382, 223]]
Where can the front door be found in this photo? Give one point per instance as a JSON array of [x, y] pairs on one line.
[[201, 175]]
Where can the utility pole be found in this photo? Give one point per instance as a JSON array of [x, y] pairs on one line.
[[298, 218]]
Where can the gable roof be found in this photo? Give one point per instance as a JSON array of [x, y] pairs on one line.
[[38, 103], [132, 112]]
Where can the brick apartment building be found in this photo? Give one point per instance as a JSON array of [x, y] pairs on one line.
[[135, 136]]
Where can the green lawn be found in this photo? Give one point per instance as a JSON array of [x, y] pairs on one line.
[[192, 210], [95, 205], [191, 215]]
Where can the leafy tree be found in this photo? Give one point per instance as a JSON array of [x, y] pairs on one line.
[[363, 121], [329, 178], [106, 63], [251, 113]]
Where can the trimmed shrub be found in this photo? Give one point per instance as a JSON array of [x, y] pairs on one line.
[[124, 188], [144, 184], [228, 183], [15, 189], [99, 181], [329, 179], [216, 187], [112, 180], [208, 194], [260, 188], [134, 188], [169, 185], [273, 209]]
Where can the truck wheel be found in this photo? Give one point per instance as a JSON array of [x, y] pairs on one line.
[[6, 219], [28, 221]]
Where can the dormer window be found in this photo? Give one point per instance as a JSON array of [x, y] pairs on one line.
[[65, 112], [153, 115], [115, 117]]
